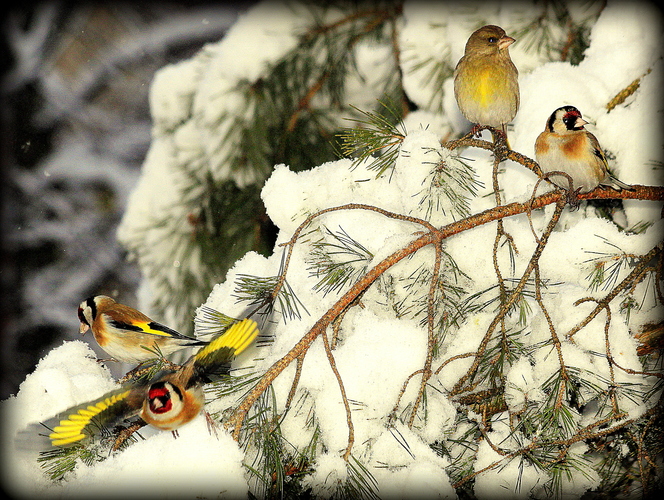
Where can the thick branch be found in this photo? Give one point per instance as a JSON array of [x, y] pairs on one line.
[[431, 237]]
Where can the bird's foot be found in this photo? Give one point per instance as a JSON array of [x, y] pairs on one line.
[[499, 137], [573, 199], [476, 131]]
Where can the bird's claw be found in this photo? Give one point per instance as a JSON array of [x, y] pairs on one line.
[[573, 199], [476, 131]]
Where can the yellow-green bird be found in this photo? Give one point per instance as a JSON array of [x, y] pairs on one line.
[[486, 82]]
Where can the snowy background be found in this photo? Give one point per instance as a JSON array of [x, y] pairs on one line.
[[378, 350]]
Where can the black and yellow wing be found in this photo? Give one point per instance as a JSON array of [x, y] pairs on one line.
[[214, 359], [150, 327], [80, 423]]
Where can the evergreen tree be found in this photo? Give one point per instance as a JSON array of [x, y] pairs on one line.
[[502, 387]]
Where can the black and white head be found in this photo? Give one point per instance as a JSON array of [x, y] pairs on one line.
[[87, 312], [565, 120], [90, 308]]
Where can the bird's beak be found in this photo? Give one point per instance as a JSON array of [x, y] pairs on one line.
[[580, 122], [505, 42], [83, 328]]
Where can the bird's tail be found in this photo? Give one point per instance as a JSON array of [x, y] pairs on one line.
[[616, 184]]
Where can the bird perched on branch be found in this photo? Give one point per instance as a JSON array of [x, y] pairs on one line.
[[128, 335], [566, 146], [486, 82], [168, 400]]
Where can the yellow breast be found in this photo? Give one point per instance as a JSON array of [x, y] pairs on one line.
[[485, 87]]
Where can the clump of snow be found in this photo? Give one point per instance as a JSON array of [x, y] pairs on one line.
[[212, 466], [67, 376], [406, 467], [331, 472]]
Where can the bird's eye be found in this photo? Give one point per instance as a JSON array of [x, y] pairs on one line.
[[492, 39]]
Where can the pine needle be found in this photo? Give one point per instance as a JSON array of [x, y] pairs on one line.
[[377, 139], [212, 322], [337, 260]]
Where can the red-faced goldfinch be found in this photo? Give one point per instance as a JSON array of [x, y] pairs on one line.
[[169, 400], [567, 147], [128, 335], [486, 82]]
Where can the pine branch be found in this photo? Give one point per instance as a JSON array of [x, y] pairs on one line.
[[381, 135], [263, 292], [452, 183], [481, 389], [59, 462], [624, 284], [360, 483], [212, 322], [459, 387], [337, 262], [431, 237]]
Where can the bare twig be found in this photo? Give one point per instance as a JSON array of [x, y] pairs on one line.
[[431, 340], [349, 419], [624, 284]]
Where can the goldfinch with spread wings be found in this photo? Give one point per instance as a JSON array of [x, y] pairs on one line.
[[167, 401]]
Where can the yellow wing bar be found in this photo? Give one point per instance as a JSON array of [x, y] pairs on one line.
[[70, 428], [237, 337], [151, 327]]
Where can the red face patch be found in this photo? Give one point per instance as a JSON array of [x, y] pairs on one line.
[[160, 400], [569, 119], [574, 114]]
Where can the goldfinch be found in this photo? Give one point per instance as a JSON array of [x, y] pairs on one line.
[[486, 82], [567, 147], [128, 335], [167, 401]]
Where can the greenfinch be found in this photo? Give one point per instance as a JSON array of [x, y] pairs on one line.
[[567, 147], [486, 84]]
